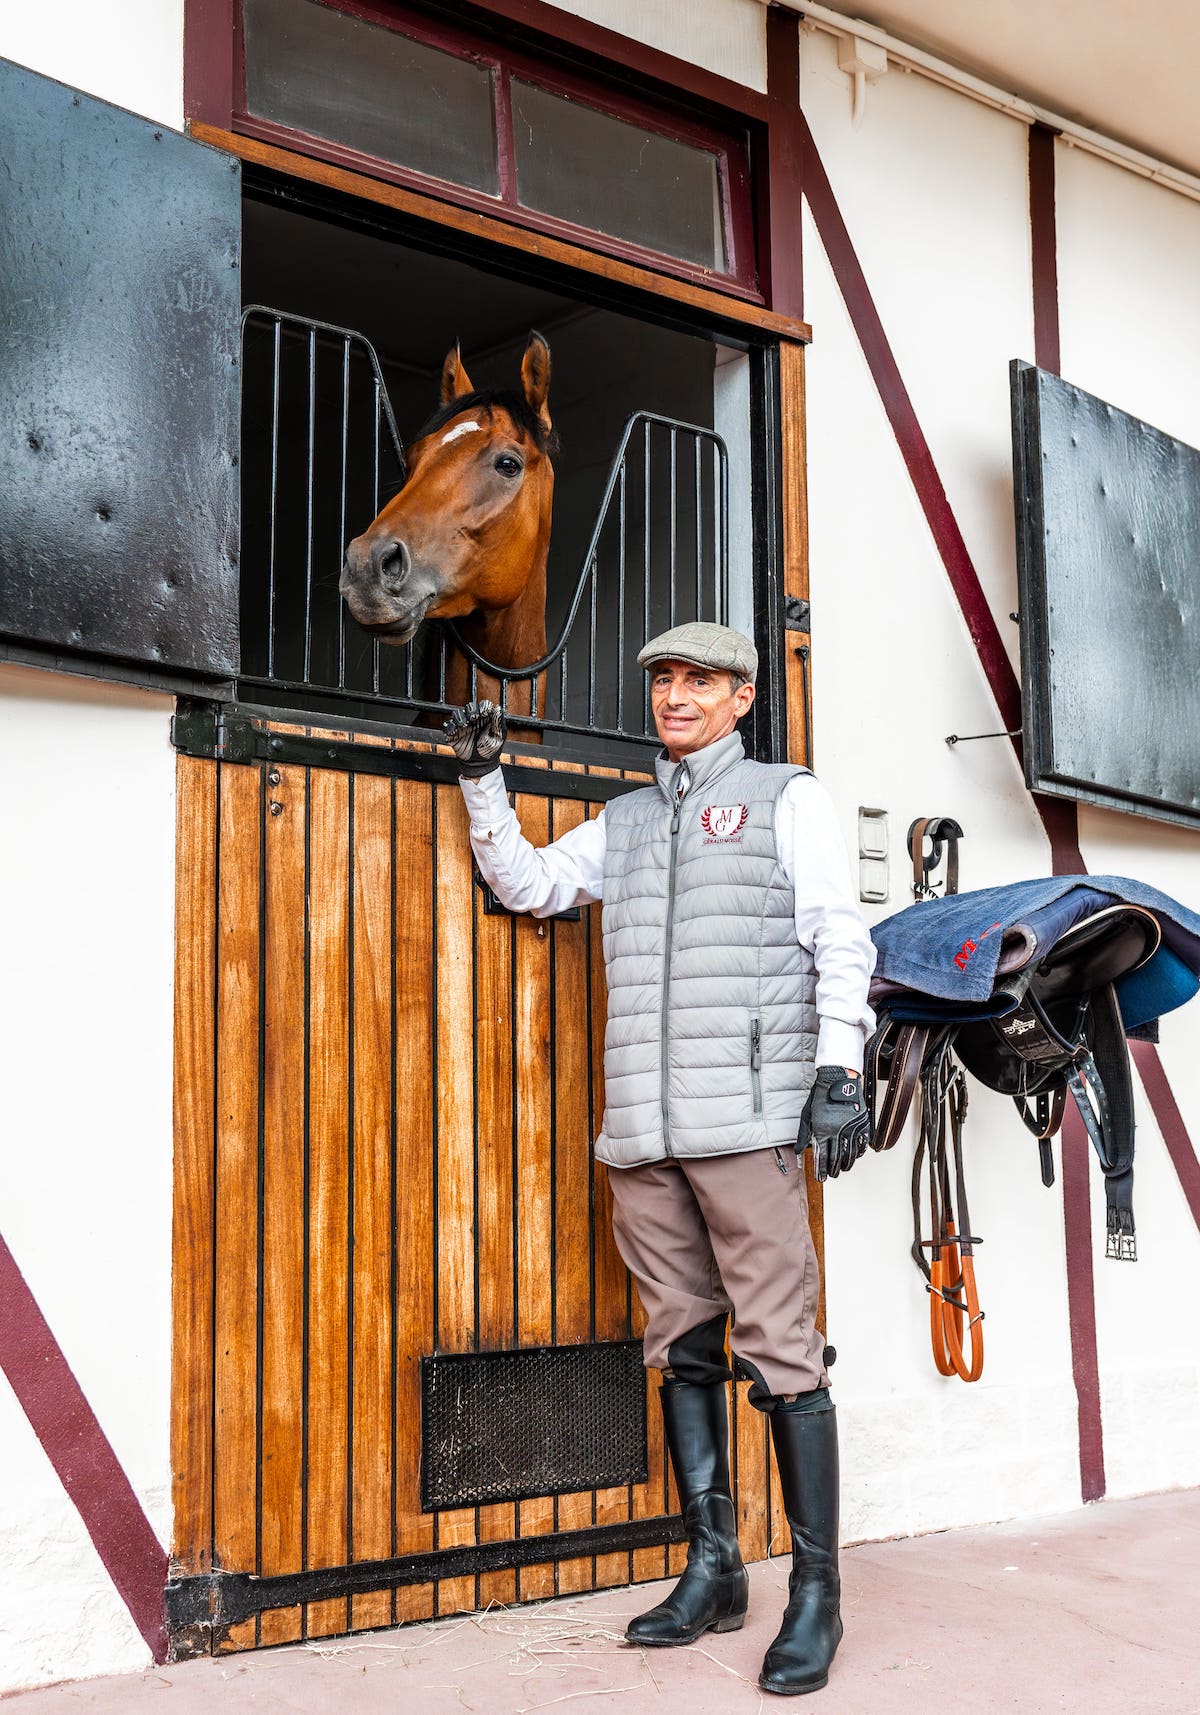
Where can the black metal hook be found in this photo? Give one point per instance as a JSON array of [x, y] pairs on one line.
[[940, 831]]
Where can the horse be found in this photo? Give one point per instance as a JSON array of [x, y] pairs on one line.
[[468, 534]]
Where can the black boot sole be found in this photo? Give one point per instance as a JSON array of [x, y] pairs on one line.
[[782, 1690], [731, 1623]]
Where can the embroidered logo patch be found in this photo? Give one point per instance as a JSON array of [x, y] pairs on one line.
[[723, 821]]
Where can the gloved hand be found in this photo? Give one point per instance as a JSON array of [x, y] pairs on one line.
[[835, 1121], [477, 734]]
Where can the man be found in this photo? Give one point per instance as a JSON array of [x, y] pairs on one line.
[[737, 966]]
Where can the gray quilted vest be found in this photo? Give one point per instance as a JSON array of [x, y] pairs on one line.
[[712, 1022]]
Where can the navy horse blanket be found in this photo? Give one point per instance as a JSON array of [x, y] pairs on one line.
[[947, 959]]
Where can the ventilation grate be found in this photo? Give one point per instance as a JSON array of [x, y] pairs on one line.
[[551, 1420]]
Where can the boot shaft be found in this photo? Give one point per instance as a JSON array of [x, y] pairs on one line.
[[806, 1451], [696, 1421], [714, 1589]]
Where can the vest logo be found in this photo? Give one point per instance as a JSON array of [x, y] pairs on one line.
[[723, 821]]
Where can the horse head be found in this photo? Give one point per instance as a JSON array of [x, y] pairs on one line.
[[469, 531]]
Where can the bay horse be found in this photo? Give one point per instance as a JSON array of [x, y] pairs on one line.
[[468, 534]]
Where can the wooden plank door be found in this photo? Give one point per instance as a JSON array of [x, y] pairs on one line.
[[386, 1102]]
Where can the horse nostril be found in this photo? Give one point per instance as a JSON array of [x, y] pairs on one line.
[[394, 566]]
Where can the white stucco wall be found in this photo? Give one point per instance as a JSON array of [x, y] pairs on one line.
[[126, 51], [87, 889], [725, 36], [87, 893], [934, 191]]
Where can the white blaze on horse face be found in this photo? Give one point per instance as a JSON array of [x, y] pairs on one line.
[[457, 430]]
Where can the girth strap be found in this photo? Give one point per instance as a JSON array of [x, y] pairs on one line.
[[1091, 1060], [1102, 1086]]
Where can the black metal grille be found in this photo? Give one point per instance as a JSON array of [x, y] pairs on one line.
[[550, 1420], [321, 451]]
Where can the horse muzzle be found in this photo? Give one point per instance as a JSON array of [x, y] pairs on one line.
[[381, 592]]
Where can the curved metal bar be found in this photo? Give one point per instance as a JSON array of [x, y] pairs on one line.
[[347, 335], [588, 569]]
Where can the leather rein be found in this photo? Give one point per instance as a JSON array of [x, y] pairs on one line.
[[906, 1062]]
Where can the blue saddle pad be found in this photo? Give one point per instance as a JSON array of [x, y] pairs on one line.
[[1160, 985]]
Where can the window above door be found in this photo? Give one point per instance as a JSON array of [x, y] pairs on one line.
[[408, 95]]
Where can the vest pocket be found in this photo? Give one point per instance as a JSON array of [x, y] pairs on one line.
[[756, 1063]]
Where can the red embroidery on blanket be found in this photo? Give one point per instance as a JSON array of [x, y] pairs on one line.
[[963, 956]]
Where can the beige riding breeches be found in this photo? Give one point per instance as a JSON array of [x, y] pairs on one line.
[[725, 1233]]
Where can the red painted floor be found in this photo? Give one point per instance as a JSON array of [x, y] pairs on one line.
[[1096, 1611]]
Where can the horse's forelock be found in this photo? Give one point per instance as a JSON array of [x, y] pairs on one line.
[[487, 401]]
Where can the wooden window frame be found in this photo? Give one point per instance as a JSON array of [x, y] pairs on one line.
[[215, 97]]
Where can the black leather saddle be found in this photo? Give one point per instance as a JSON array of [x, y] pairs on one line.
[[1065, 1034]]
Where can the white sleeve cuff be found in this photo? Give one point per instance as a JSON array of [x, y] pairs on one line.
[[840, 1044], [485, 797]]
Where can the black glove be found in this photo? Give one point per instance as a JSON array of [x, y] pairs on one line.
[[477, 734], [835, 1121]]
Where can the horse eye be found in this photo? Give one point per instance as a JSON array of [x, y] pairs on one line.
[[508, 466]]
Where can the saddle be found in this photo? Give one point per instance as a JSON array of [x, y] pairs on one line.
[[1052, 1026]]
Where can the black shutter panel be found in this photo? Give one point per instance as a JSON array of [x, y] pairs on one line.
[[119, 384]]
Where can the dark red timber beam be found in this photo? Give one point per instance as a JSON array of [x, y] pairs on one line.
[[81, 1455], [1043, 234], [1060, 818], [1170, 1122]]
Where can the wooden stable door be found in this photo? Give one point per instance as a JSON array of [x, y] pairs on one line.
[[386, 1101]]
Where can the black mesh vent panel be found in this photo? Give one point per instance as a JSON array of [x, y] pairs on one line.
[[506, 1426]]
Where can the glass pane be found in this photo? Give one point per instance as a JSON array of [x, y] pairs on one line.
[[597, 171], [371, 89]]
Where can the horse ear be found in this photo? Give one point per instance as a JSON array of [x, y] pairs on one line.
[[535, 378], [455, 380]]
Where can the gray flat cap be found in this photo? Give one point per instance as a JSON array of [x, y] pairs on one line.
[[705, 645]]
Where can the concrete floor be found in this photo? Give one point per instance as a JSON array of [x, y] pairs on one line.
[[1093, 1611]]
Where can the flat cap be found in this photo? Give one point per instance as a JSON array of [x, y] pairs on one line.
[[705, 645]]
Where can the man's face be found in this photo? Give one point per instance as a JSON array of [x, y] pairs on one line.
[[694, 706]]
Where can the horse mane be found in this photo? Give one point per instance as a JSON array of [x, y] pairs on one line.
[[489, 399]]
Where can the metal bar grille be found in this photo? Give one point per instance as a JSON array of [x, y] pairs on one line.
[[321, 452]]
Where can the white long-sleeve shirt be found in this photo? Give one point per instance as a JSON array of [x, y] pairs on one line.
[[570, 871]]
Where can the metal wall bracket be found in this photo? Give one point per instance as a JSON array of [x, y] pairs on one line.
[[797, 614], [953, 738]]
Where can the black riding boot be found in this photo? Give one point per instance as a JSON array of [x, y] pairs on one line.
[[712, 1593], [805, 1435]]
